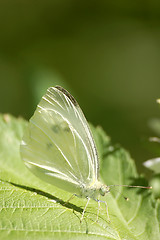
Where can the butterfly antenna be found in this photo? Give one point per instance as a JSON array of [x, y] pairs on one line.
[[149, 187], [126, 198]]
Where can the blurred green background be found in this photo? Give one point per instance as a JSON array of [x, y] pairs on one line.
[[106, 53]]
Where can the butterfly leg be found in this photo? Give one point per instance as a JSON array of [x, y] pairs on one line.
[[73, 195], [100, 201], [107, 211], [98, 210], [88, 199]]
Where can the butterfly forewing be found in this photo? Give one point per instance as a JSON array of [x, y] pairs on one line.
[[58, 145]]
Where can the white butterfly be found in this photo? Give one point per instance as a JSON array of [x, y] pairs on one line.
[[59, 148]]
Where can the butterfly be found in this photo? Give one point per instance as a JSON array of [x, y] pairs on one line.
[[59, 148]]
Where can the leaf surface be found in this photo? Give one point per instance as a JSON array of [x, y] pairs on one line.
[[33, 209]]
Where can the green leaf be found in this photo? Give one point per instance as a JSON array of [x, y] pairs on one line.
[[153, 164], [33, 209], [154, 124], [155, 183]]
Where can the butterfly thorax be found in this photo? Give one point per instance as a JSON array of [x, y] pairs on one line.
[[94, 190]]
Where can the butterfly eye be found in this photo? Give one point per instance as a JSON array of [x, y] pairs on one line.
[[102, 191]]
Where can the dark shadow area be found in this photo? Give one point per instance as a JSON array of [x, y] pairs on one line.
[[47, 195], [60, 201]]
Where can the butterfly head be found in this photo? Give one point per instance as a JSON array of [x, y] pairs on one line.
[[103, 190]]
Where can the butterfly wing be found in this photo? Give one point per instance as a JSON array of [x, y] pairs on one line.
[[58, 145]]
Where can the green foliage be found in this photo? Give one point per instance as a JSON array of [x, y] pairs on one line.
[[154, 164], [154, 124], [33, 209]]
